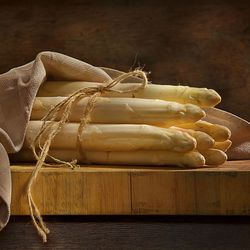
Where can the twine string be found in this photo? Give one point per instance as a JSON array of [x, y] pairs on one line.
[[52, 124]]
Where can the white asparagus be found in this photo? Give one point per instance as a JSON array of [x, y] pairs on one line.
[[214, 156], [183, 94], [115, 137], [223, 146], [124, 110], [204, 141], [217, 132], [190, 159]]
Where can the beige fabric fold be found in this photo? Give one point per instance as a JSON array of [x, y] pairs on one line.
[[18, 88]]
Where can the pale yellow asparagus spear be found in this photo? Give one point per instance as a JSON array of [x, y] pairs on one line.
[[214, 156], [183, 94], [223, 146], [204, 141], [115, 137], [217, 132], [124, 110], [190, 159]]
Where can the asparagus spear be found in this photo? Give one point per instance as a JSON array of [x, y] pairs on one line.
[[204, 141], [190, 159], [183, 94], [223, 146], [115, 137], [217, 132], [214, 156], [124, 110]]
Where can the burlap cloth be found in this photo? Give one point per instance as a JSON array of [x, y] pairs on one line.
[[18, 88]]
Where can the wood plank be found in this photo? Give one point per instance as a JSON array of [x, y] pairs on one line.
[[136, 190], [72, 192], [222, 191]]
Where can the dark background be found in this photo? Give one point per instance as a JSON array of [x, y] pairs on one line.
[[199, 43]]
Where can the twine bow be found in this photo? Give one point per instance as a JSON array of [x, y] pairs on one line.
[[52, 126]]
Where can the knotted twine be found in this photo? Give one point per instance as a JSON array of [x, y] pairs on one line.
[[52, 125]]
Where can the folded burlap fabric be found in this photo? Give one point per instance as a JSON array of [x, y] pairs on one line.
[[18, 89]]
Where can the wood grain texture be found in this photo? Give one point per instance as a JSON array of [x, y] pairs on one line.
[[136, 190], [80, 192], [199, 43], [145, 233]]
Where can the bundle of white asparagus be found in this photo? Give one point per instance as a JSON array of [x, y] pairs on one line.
[[158, 125]]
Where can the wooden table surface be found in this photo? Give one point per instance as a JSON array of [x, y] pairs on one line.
[[128, 233]]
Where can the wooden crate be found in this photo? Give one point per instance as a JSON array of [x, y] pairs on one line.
[[113, 190]]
